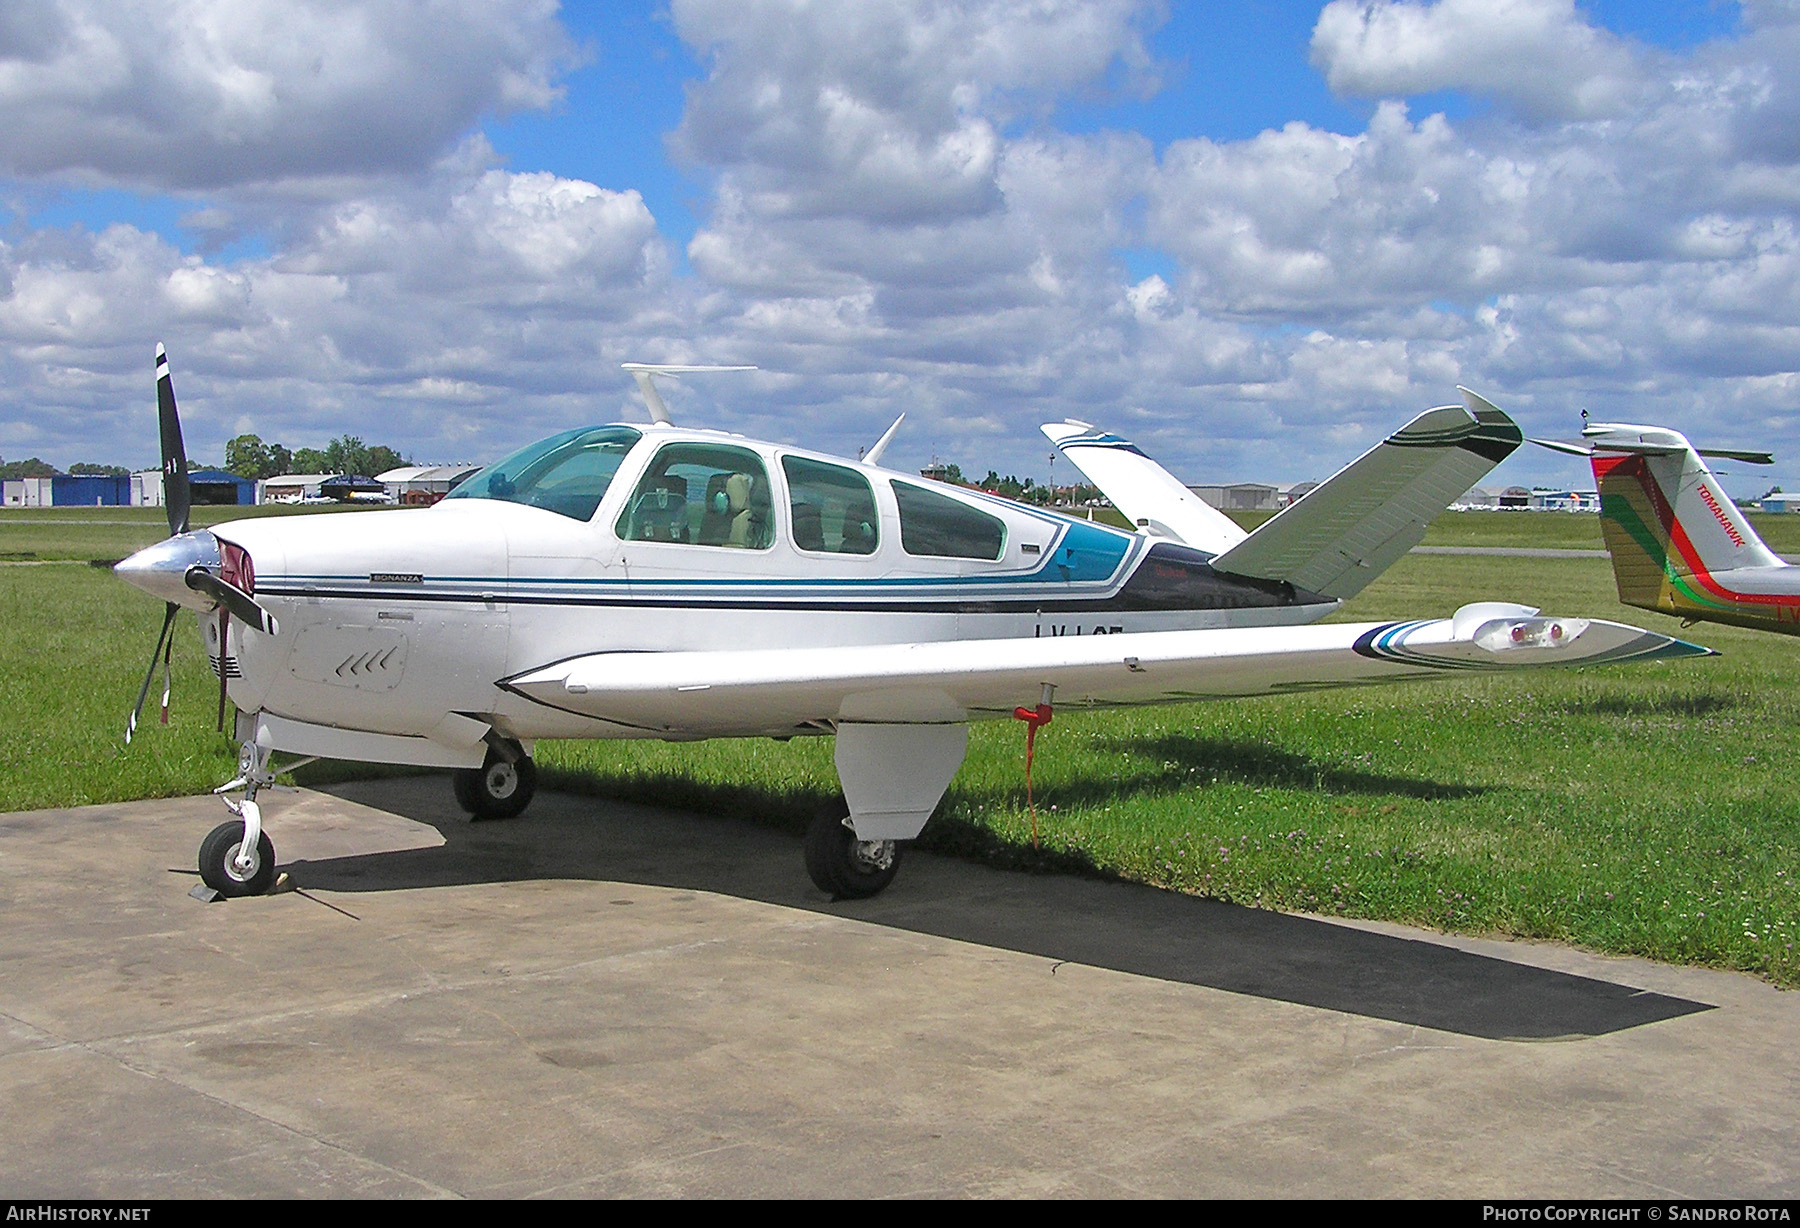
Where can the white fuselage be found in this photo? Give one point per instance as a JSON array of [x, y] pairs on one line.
[[389, 620]]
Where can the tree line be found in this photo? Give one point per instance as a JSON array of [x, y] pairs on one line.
[[35, 468], [249, 457], [1022, 490], [1025, 490]]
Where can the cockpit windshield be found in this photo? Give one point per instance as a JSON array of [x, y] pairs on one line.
[[567, 474]]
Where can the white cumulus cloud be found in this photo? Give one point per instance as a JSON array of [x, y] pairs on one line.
[[201, 94], [1541, 56]]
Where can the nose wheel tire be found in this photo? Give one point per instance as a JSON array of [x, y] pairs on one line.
[[219, 862], [497, 789], [842, 866]]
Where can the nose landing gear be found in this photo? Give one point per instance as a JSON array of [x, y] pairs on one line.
[[237, 857], [228, 869]]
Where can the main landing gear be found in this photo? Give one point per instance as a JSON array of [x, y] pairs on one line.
[[501, 787], [842, 866]]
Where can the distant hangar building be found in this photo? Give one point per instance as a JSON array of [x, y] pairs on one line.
[[206, 487], [422, 485], [1240, 496], [292, 487], [70, 490]]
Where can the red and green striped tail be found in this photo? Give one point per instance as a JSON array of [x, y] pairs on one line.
[[1658, 562]]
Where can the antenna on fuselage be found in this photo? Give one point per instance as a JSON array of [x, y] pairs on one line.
[[644, 373], [873, 455]]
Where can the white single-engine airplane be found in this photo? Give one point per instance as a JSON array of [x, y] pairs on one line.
[[654, 581]]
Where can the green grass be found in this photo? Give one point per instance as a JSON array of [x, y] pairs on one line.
[[1533, 530], [1645, 810], [110, 533], [1636, 810], [75, 651]]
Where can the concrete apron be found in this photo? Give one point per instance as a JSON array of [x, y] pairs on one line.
[[605, 999]]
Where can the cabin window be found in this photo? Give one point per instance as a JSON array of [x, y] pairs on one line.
[[702, 494], [938, 526], [832, 507], [567, 474]]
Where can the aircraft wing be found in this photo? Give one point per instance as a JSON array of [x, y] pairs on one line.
[[1357, 523], [1153, 498], [700, 694]]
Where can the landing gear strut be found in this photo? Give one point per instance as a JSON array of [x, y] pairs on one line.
[[237, 858], [842, 866], [500, 788]]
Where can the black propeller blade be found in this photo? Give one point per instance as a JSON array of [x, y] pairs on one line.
[[232, 598], [224, 626], [163, 640], [174, 456]]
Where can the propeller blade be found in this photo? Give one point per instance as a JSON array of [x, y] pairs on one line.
[[144, 691], [224, 627], [174, 455], [168, 682], [233, 598]]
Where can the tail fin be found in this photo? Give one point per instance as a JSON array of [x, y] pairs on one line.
[[1150, 495], [1670, 526]]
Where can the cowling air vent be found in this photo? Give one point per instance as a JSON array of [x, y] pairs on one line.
[[232, 668], [363, 658]]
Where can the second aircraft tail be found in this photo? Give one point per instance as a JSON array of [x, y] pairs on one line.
[[1671, 529]]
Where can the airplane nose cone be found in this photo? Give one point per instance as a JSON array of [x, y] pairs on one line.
[[161, 570]]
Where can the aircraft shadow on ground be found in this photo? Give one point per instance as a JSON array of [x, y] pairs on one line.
[[1662, 705], [1269, 766], [1130, 928]]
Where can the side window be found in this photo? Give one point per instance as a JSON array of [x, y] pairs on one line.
[[833, 508], [938, 526], [701, 494]]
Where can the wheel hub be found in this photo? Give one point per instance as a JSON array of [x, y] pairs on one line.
[[241, 862], [502, 779], [869, 856], [872, 856]]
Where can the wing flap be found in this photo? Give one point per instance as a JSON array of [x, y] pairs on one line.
[[1360, 521], [716, 693]]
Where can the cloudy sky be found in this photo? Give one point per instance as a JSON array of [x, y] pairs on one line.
[[1254, 240]]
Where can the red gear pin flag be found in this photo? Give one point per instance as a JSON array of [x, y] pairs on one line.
[[1035, 719]]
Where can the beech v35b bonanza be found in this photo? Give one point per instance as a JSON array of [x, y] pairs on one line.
[[655, 581]]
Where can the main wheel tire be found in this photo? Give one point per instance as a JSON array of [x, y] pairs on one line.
[[497, 789], [841, 865], [218, 862]]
